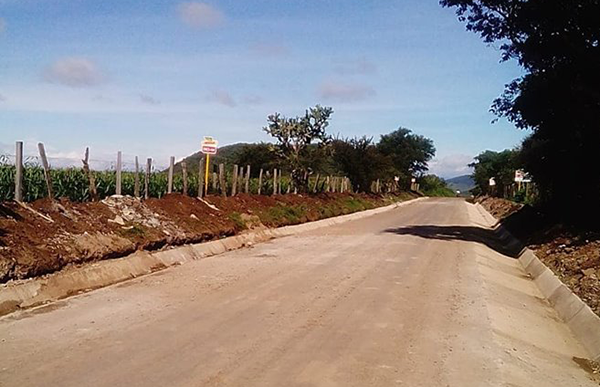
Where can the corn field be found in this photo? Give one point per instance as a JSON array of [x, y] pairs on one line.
[[72, 183]]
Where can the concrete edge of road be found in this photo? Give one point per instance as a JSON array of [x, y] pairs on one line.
[[25, 294], [578, 316]]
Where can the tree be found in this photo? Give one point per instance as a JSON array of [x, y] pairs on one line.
[[558, 44], [409, 153], [259, 156], [360, 160], [498, 165], [432, 185], [294, 137]]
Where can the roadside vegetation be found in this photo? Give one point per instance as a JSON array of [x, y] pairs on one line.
[[557, 99]]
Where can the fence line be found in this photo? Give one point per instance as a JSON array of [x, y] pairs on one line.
[[27, 178]]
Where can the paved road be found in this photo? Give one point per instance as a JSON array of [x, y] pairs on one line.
[[417, 296]]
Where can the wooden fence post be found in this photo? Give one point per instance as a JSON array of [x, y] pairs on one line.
[[289, 187], [46, 166], [328, 184], [90, 175], [171, 171], [234, 180], [279, 183], [19, 172], [136, 177], [214, 182], [377, 186], [222, 184], [185, 177], [147, 179], [275, 181], [260, 174], [201, 166], [119, 174], [316, 183], [247, 183]]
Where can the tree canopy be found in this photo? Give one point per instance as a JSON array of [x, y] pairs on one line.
[[408, 152], [498, 165], [558, 44], [360, 160], [294, 137]]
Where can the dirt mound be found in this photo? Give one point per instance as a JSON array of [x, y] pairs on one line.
[[499, 208], [44, 236]]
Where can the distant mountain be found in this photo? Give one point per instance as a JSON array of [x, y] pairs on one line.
[[461, 183]]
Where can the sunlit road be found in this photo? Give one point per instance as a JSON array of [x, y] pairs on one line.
[[412, 297]]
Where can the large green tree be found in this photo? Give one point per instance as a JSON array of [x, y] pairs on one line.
[[360, 160], [498, 165], [557, 42], [408, 152]]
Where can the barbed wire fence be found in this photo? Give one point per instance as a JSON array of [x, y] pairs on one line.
[[29, 177]]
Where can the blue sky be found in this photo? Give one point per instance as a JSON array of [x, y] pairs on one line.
[[151, 78]]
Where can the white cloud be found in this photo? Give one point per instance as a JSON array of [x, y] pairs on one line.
[[2, 25], [344, 92], [149, 100], [200, 15], [451, 165], [269, 50], [74, 72], [222, 97], [359, 66]]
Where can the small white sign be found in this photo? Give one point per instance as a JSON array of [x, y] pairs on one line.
[[209, 146], [492, 182]]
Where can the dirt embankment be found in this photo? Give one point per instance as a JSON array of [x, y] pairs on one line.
[[572, 254], [44, 236]]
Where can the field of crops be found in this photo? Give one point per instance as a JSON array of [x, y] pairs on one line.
[[72, 183]]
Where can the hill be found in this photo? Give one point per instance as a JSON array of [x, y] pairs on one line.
[[225, 155], [461, 183]]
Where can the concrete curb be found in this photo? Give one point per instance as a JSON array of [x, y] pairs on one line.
[[23, 294], [582, 321]]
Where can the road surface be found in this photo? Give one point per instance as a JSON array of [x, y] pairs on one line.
[[417, 296]]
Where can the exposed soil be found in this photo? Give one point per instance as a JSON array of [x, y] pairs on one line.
[[572, 254], [44, 236]]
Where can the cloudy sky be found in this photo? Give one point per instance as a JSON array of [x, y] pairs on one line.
[[151, 78]]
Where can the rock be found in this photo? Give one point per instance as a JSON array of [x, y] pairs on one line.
[[118, 220], [589, 272]]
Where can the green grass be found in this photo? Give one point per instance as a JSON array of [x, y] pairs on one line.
[[236, 218], [440, 192], [135, 231]]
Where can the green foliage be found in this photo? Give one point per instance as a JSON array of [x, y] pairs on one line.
[[360, 160], [409, 153], [282, 214], [355, 204], [432, 185], [294, 137], [236, 218], [258, 156], [556, 42], [72, 183], [498, 165]]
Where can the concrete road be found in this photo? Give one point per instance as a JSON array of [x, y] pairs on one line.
[[418, 296]]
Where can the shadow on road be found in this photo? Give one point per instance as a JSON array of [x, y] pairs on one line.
[[484, 236]]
